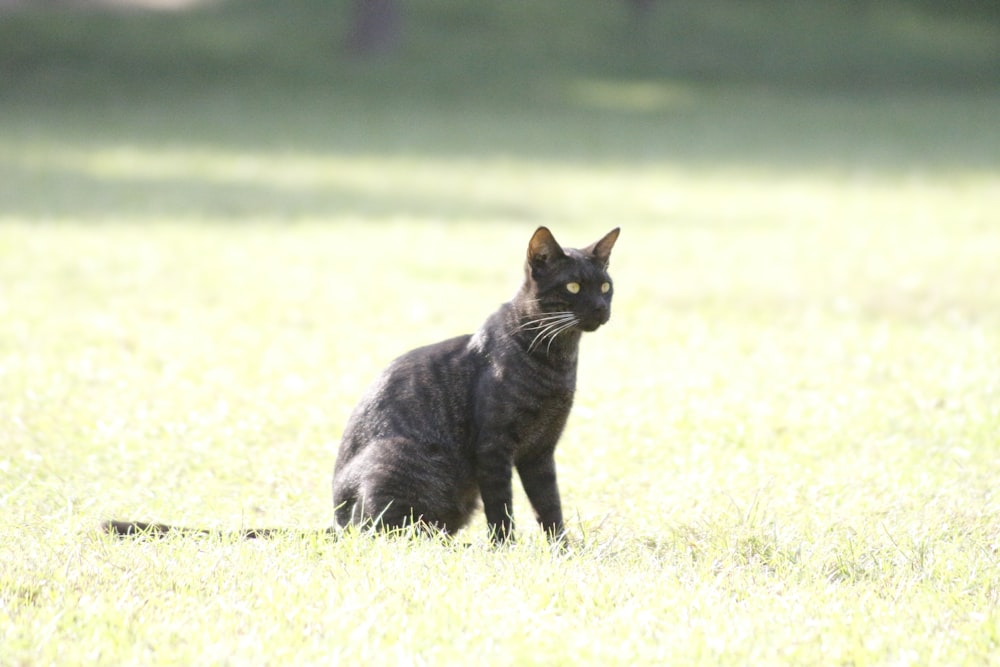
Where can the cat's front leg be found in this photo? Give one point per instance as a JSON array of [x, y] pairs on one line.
[[539, 480], [494, 469]]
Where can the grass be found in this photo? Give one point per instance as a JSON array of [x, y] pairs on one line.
[[214, 230]]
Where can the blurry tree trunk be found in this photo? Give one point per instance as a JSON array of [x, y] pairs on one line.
[[640, 14], [375, 27]]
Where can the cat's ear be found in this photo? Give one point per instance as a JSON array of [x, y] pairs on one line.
[[543, 247], [601, 251]]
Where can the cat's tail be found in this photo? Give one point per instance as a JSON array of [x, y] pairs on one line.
[[145, 529]]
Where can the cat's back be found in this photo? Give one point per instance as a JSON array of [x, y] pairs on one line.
[[430, 370], [422, 392]]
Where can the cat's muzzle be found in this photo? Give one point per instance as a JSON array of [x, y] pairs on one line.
[[595, 320]]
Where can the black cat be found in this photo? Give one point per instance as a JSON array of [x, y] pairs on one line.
[[447, 424]]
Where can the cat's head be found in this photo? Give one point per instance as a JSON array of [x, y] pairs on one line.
[[570, 281]]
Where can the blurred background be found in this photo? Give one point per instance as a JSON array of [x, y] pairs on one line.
[[769, 85]]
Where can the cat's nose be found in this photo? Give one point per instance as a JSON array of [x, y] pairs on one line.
[[599, 314]]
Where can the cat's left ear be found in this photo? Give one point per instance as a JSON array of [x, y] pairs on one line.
[[601, 251], [543, 247]]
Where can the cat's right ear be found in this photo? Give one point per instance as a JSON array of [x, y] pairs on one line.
[[601, 251], [543, 248]]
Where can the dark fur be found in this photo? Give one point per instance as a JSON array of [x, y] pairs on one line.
[[446, 425]]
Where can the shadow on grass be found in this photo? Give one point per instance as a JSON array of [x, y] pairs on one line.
[[73, 195], [770, 86]]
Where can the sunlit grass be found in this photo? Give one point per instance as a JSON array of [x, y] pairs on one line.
[[791, 420], [786, 432]]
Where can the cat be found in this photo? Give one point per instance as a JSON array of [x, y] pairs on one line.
[[443, 427]]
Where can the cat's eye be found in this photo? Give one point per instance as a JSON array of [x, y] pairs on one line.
[[605, 288], [573, 288]]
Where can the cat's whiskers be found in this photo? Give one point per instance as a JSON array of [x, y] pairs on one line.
[[544, 320], [549, 327], [552, 336]]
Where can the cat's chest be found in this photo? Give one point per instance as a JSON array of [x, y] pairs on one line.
[[526, 396], [521, 378]]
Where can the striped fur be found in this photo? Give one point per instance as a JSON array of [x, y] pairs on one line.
[[445, 426]]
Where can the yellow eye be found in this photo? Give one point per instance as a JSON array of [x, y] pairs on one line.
[[605, 288], [573, 288]]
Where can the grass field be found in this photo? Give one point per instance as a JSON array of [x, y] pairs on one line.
[[215, 229]]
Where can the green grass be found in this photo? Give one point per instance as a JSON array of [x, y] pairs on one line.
[[215, 230]]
